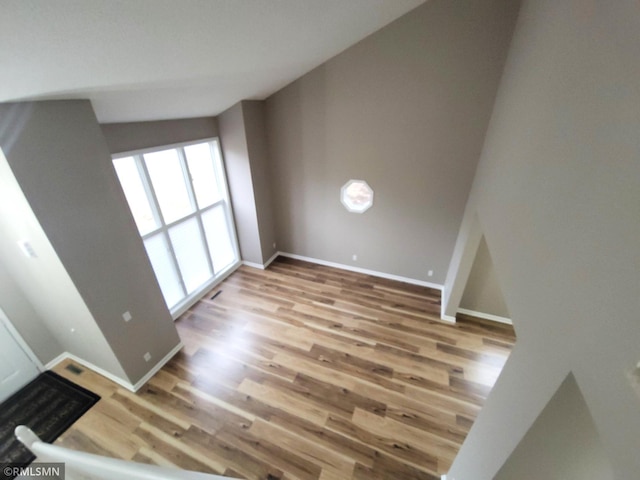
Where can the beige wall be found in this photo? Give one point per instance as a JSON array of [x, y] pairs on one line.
[[127, 137], [243, 142], [482, 292], [562, 443], [23, 316], [233, 141], [557, 198], [254, 113], [46, 285], [61, 162], [406, 110]]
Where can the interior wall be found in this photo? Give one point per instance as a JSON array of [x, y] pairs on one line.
[[60, 159], [245, 140], [482, 292], [43, 279], [254, 114], [562, 443], [244, 147], [233, 142], [556, 194], [26, 319], [130, 136], [406, 109]]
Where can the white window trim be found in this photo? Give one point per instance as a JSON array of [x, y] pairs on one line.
[[214, 142], [347, 205]]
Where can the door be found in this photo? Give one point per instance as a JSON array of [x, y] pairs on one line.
[[16, 368]]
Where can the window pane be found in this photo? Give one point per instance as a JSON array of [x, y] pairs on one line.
[[190, 238], [356, 196], [168, 182], [218, 238], [135, 193], [203, 174], [190, 252], [163, 267]]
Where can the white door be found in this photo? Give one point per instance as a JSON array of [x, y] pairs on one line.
[[16, 368]]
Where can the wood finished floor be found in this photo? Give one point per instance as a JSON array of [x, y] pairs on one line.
[[304, 372]]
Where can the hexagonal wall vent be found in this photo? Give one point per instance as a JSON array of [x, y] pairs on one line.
[[356, 196]]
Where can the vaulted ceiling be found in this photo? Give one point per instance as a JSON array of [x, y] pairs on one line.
[[156, 59]]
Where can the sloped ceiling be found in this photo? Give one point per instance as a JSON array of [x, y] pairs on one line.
[[157, 59]]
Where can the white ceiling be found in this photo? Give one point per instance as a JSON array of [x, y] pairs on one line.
[[158, 59]]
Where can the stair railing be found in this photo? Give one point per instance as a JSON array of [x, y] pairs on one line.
[[87, 466]]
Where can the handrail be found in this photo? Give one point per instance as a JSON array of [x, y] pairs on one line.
[[102, 468]]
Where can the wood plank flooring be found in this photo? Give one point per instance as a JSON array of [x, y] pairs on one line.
[[305, 372]]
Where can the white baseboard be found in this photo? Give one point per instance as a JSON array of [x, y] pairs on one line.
[[157, 367], [253, 264], [443, 316], [365, 271], [66, 355], [259, 265], [485, 316], [273, 257], [447, 318], [123, 383], [52, 363]]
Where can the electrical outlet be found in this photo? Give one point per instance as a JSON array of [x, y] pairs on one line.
[[126, 316], [355, 257], [430, 273], [274, 245], [147, 357]]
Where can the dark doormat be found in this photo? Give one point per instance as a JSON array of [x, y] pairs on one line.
[[48, 405]]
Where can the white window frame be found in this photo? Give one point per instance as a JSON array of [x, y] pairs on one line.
[[163, 229], [346, 200]]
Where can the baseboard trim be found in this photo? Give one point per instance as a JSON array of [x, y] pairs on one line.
[[125, 384], [259, 265], [365, 271], [270, 261], [253, 265], [485, 316], [140, 383], [52, 363], [447, 318], [66, 355]]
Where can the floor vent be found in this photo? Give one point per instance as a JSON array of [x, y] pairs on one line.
[[74, 369]]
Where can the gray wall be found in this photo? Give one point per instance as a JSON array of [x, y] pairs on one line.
[[243, 144], [25, 319], [557, 197], [62, 164], [254, 113], [406, 110], [126, 137], [46, 285], [482, 292], [562, 444]]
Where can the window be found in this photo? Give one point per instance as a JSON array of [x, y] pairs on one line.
[[356, 196], [179, 200]]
